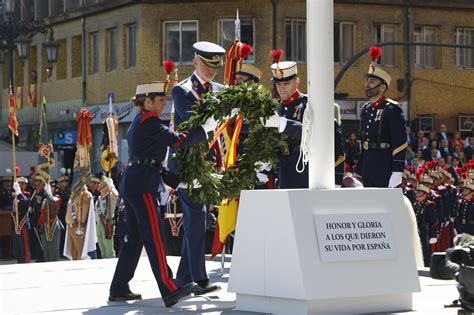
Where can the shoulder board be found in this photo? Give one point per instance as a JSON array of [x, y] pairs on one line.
[[365, 105], [147, 116], [431, 203], [389, 100], [187, 84], [184, 81]]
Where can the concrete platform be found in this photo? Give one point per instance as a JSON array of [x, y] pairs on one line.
[[81, 287]]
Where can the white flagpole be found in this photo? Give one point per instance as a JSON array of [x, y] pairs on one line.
[[320, 20]]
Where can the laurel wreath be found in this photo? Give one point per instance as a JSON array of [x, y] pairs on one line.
[[261, 144]]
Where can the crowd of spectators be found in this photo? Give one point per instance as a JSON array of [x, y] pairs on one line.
[[450, 149]]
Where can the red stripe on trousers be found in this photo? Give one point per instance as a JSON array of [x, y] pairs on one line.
[[156, 242], [27, 247], [161, 244]]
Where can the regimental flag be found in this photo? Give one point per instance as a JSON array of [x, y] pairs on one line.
[[12, 119], [19, 97], [32, 97], [82, 162], [45, 147], [109, 144]]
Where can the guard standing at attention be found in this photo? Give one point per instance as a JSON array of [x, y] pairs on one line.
[[289, 120], [383, 131]]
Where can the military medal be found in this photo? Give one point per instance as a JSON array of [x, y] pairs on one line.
[[379, 114]]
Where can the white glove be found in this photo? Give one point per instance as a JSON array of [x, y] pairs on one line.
[[262, 178], [47, 189], [433, 240], [234, 111], [275, 121], [196, 184], [209, 125], [111, 185], [17, 189], [260, 166], [395, 179]]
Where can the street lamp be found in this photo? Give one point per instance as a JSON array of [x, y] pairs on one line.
[[23, 46], [51, 47], [17, 34]]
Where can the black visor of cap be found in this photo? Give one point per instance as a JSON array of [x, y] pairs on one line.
[[152, 95], [275, 79]]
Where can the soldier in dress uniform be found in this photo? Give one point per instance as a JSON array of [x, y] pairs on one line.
[[435, 197], [148, 139], [427, 221], [64, 193], [46, 227], [465, 209], [289, 120], [93, 186], [451, 195], [248, 74], [21, 240], [208, 59], [410, 185], [383, 133], [105, 208], [6, 191]]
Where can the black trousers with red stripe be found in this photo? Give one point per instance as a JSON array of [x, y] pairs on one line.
[[143, 229], [21, 244]]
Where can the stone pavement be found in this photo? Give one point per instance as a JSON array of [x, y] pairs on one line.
[[81, 287]]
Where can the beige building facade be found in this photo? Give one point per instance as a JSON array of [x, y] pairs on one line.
[[108, 47]]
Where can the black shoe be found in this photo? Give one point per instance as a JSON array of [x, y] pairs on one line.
[[125, 297], [177, 295], [206, 289]]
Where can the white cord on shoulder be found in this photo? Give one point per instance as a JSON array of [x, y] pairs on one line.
[[305, 143]]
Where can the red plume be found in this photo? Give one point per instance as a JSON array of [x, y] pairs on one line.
[[410, 168], [33, 169], [17, 170], [375, 52], [276, 55], [418, 175], [245, 51], [458, 170], [169, 66]]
